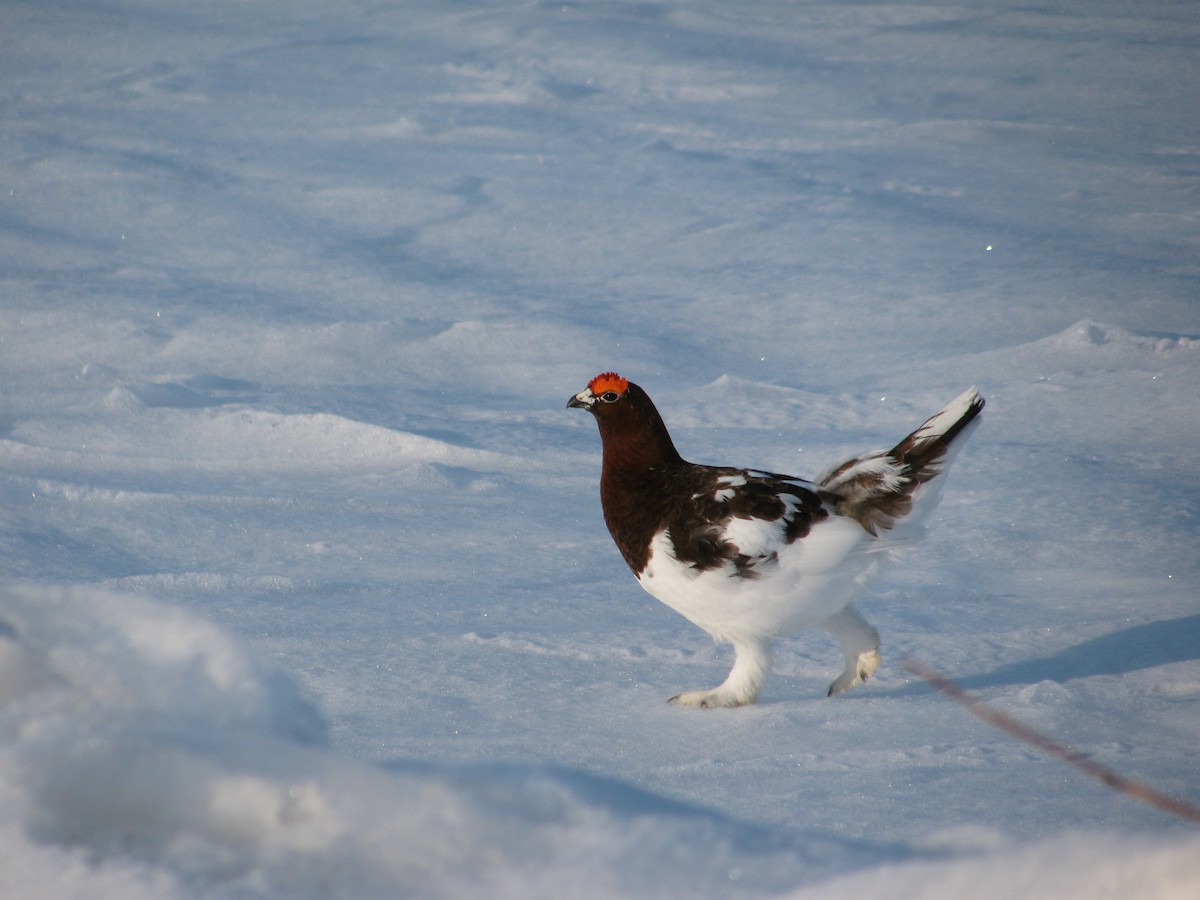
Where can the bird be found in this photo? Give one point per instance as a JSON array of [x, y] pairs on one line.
[[752, 556]]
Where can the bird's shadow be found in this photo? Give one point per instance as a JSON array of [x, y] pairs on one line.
[[1143, 646]]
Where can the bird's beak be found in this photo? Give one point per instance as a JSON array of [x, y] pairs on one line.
[[583, 400]]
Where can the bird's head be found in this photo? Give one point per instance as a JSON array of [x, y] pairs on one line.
[[606, 388], [633, 432]]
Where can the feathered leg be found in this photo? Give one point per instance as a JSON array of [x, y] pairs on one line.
[[751, 665], [860, 643]]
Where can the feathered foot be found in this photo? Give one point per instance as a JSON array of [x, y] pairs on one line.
[[751, 665], [860, 644]]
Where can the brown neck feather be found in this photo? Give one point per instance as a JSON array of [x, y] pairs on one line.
[[638, 457]]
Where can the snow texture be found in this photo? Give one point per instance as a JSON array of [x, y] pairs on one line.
[[305, 591]]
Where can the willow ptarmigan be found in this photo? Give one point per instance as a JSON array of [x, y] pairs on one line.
[[751, 556]]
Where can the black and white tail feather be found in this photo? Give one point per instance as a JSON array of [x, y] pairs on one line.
[[886, 487]]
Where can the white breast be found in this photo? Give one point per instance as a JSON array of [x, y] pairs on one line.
[[812, 579]]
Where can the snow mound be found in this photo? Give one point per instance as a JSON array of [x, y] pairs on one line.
[[147, 754], [1132, 383], [1110, 866], [1093, 348], [144, 745], [88, 659], [137, 437]]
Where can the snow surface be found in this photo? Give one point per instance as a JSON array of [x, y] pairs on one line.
[[306, 589]]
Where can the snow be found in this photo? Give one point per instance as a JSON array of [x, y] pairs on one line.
[[305, 589]]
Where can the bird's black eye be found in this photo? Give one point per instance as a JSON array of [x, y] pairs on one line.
[[609, 396]]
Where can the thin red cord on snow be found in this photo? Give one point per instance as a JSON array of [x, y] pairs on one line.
[[1023, 732]]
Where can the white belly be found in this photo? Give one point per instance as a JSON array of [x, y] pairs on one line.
[[812, 579]]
